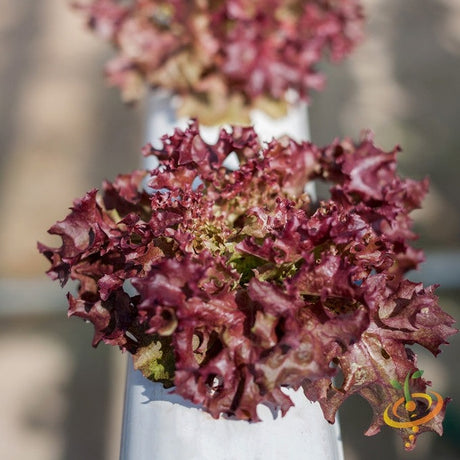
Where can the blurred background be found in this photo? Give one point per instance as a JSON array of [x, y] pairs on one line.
[[62, 131]]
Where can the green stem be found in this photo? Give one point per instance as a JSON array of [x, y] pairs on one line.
[[407, 395]]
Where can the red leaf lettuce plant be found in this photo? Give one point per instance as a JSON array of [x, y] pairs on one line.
[[224, 57], [243, 285]]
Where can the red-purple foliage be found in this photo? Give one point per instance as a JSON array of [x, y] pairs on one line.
[[224, 57], [245, 284]]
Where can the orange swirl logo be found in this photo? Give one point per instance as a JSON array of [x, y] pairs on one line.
[[413, 409]]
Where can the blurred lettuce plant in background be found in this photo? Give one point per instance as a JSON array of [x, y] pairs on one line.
[[224, 57]]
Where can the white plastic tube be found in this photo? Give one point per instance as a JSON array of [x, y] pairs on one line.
[[158, 425]]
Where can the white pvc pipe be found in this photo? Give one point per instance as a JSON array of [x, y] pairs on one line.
[[158, 425], [161, 119]]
